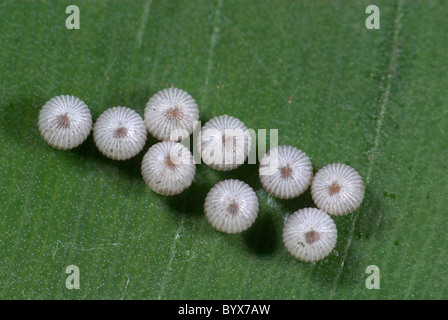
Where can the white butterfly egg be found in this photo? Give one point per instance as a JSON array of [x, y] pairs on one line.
[[168, 168], [171, 114], [65, 122], [337, 189], [224, 143], [309, 234], [285, 172], [231, 206], [119, 133]]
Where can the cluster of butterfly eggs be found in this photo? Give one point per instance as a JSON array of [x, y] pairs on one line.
[[231, 206]]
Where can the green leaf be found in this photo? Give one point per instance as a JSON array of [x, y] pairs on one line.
[[373, 99]]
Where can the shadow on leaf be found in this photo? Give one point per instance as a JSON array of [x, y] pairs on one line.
[[263, 238], [342, 267]]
